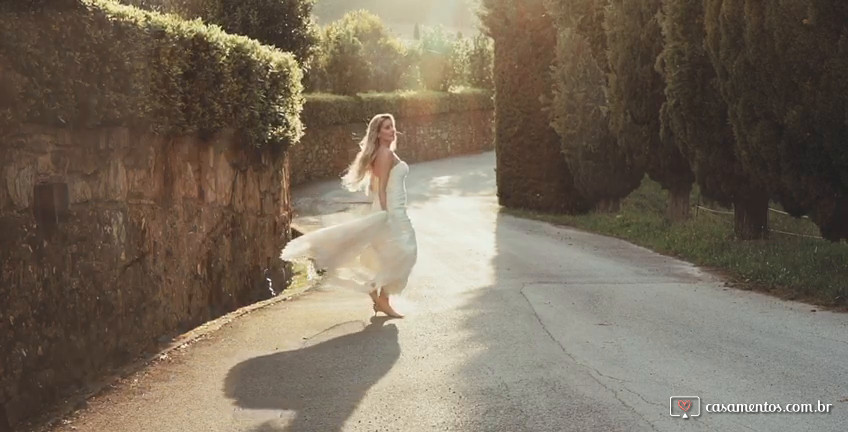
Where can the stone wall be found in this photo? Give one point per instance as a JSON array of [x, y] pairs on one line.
[[324, 152], [110, 239]]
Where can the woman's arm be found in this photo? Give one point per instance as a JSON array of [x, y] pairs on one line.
[[382, 165]]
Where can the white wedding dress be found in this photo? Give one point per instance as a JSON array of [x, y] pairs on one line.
[[377, 250]]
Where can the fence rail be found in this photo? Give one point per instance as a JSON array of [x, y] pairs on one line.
[[723, 212]]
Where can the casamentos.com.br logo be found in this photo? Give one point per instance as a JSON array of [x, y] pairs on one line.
[[690, 406]]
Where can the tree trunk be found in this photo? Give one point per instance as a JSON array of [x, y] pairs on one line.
[[750, 213], [678, 203], [608, 206]]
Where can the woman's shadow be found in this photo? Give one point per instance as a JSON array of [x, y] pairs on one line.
[[322, 383]]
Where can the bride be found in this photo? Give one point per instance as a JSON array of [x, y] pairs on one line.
[[376, 252]]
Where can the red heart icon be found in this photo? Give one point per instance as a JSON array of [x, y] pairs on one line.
[[684, 404]]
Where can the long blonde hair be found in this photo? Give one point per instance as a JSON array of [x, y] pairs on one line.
[[358, 175]]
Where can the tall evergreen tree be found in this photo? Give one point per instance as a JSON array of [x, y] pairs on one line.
[[783, 72], [637, 91], [531, 172], [694, 116], [578, 111]]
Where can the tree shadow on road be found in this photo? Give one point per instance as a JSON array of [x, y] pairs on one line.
[[321, 383]]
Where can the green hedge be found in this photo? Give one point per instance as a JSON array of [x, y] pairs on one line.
[[326, 109], [103, 64]]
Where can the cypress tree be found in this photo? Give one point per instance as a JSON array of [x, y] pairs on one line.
[[694, 117], [601, 171], [531, 172], [634, 42], [783, 72]]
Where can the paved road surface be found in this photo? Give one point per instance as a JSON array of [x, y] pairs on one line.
[[512, 325]]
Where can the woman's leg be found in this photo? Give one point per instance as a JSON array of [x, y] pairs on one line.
[[382, 304]]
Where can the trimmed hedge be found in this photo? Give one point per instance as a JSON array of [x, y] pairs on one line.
[[103, 63], [326, 109], [286, 24]]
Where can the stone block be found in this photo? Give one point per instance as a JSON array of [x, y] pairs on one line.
[[44, 165], [40, 143], [185, 180], [79, 190], [112, 184], [269, 206], [20, 177], [60, 160], [253, 197], [142, 156], [117, 138], [224, 179]]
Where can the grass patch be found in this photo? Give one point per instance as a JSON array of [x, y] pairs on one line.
[[301, 281], [797, 268]]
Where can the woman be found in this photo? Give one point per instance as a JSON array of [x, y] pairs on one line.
[[376, 252]]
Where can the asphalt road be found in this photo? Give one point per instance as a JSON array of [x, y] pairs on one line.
[[512, 325]]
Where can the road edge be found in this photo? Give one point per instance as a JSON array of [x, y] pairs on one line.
[[111, 380]]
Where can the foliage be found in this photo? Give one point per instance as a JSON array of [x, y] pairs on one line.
[[437, 49], [403, 12], [791, 266], [634, 41], [579, 107], [328, 109], [480, 59], [285, 24], [694, 115], [531, 172], [783, 72], [447, 61], [105, 63], [357, 54]]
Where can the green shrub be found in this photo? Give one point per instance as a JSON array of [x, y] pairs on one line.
[[108, 64], [285, 24], [357, 54], [327, 109], [184, 8], [480, 61], [437, 49]]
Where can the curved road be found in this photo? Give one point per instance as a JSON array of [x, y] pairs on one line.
[[512, 325]]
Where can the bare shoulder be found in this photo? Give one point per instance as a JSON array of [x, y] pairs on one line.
[[385, 157], [383, 160], [384, 152]]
